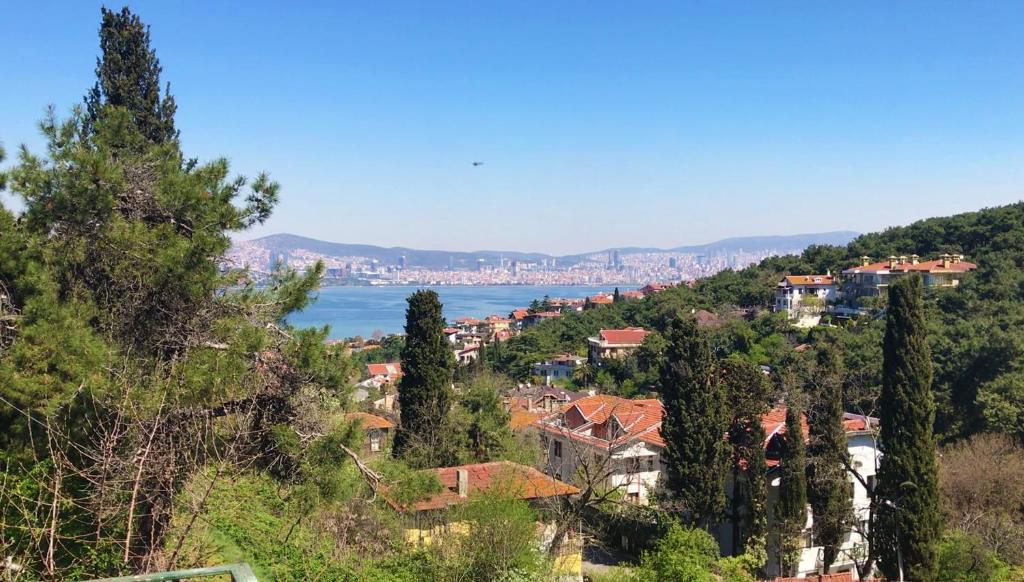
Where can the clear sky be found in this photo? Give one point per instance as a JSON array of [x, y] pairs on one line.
[[599, 123]]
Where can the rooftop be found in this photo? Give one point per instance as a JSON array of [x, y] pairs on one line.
[[367, 420], [514, 479]]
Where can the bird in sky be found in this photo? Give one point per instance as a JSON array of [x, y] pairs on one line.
[[477, 164]]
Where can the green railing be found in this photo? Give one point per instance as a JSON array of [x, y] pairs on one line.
[[240, 572]]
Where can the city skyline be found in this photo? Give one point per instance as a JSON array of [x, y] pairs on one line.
[[599, 125]]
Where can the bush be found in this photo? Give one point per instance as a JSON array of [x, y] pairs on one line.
[[963, 558]]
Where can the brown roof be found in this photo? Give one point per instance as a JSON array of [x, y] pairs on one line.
[[517, 480], [602, 299], [629, 335], [391, 370], [935, 266], [521, 418], [810, 280], [369, 420]]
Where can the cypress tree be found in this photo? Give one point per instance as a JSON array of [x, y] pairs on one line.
[[748, 393], [827, 487], [908, 521], [615, 296], [694, 423], [424, 392], [791, 507], [128, 76]]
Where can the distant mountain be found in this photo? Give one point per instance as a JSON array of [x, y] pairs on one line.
[[287, 243]]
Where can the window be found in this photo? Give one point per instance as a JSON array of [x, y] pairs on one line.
[[650, 464], [375, 442], [558, 449], [808, 539], [871, 481]]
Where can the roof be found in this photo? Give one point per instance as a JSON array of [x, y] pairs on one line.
[[367, 420], [638, 419], [467, 321], [518, 480], [808, 280], [707, 319], [602, 299], [936, 266], [451, 330], [546, 314], [521, 418], [520, 314], [627, 336], [566, 358], [391, 369], [632, 294], [774, 422]]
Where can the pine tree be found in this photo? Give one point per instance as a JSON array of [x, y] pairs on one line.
[[748, 396], [128, 76], [694, 423], [908, 523], [827, 487], [791, 507], [424, 392]]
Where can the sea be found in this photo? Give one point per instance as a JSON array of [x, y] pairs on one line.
[[362, 311]]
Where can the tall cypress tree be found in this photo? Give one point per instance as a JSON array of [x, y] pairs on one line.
[[128, 76], [424, 392], [747, 391], [791, 507], [908, 523], [694, 423], [827, 487]]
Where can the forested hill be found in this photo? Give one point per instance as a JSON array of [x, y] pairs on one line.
[[977, 329]]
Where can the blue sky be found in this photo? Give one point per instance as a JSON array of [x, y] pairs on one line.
[[600, 123]]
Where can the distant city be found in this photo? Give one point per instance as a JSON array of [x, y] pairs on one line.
[[365, 265]]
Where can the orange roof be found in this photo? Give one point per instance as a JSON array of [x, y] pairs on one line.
[[391, 370], [521, 419], [638, 419], [467, 321], [935, 266], [809, 280], [520, 314], [369, 420], [602, 299], [629, 335], [518, 480], [633, 294], [451, 330]]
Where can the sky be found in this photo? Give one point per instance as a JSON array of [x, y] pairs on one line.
[[600, 124]]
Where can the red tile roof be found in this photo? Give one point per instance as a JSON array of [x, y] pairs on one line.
[[639, 419], [935, 266], [392, 370], [602, 299], [467, 321], [521, 418], [627, 336], [520, 314], [518, 480], [809, 280], [369, 420]]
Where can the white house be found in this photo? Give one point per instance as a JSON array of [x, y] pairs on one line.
[[558, 368], [616, 343], [804, 297], [619, 438]]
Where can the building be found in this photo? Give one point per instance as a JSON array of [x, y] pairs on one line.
[[602, 299], [804, 297], [492, 325], [384, 374], [378, 429], [467, 354], [429, 521], [558, 368], [621, 438], [535, 318], [873, 279], [615, 343]]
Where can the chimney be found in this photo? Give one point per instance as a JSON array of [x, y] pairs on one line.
[[915, 259], [893, 261], [462, 482], [957, 258], [865, 261], [945, 258]]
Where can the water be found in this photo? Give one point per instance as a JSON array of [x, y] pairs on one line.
[[352, 311]]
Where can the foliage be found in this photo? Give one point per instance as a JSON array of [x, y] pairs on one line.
[[694, 422], [748, 396], [691, 554], [791, 507], [489, 435], [424, 392], [962, 558], [909, 520]]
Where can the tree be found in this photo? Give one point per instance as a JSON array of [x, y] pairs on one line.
[[490, 437], [791, 507], [908, 522], [424, 392], [616, 297], [748, 394], [694, 422], [128, 77], [827, 457]]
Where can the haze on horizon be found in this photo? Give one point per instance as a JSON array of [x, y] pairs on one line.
[[599, 124]]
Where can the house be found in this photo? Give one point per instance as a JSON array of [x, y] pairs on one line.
[[873, 279], [861, 436], [632, 295], [378, 431], [492, 325], [652, 288], [621, 437], [468, 354], [428, 520], [384, 374], [452, 335], [615, 343], [602, 299], [558, 368], [535, 318], [468, 325], [804, 297], [518, 317]]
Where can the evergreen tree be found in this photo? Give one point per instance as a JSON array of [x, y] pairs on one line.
[[615, 296], [827, 487], [694, 423], [791, 507], [128, 76], [747, 390], [908, 523], [424, 392]]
